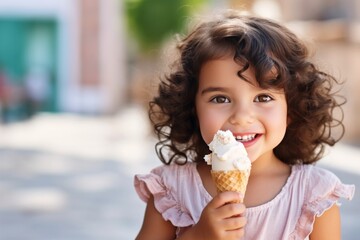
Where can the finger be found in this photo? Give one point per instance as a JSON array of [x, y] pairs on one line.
[[235, 234], [225, 197], [234, 223], [231, 210]]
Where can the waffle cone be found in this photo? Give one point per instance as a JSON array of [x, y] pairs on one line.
[[233, 180]]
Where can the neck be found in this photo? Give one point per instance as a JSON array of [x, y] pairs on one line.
[[267, 164]]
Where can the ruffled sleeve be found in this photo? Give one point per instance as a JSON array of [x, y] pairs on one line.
[[161, 183], [323, 190]]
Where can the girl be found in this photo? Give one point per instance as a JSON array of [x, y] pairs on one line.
[[253, 77]]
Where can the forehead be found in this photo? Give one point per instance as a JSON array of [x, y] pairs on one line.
[[221, 66], [228, 66]]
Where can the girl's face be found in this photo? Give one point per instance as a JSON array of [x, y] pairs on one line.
[[257, 117]]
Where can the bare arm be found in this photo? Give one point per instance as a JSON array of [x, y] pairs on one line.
[[327, 226], [154, 225]]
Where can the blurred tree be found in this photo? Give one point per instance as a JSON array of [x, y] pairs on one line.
[[152, 21]]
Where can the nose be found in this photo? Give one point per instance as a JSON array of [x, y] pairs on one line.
[[242, 114]]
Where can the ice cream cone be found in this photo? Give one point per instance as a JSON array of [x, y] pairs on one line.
[[233, 180], [230, 164]]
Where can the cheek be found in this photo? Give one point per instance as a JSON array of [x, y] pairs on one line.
[[208, 124], [205, 126], [281, 126], [280, 122]]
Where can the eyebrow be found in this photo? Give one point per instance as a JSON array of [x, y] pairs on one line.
[[213, 89]]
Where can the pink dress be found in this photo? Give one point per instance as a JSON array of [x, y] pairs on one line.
[[180, 197]]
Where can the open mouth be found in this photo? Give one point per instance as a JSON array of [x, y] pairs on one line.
[[246, 138]]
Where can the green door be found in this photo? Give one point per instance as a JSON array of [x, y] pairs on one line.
[[12, 47], [28, 50]]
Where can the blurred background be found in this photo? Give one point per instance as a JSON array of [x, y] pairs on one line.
[[75, 79]]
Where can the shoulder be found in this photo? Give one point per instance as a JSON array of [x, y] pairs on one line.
[[314, 176], [166, 185], [174, 169], [314, 171], [174, 174], [163, 179], [321, 183], [322, 189]]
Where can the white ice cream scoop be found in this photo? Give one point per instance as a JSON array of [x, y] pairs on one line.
[[227, 153]]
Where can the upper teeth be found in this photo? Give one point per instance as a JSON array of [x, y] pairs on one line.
[[246, 137]]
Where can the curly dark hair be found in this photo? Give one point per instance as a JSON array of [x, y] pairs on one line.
[[265, 45]]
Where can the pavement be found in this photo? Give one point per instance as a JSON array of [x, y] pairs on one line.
[[70, 177]]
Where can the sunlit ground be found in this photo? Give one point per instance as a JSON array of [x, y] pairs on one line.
[[70, 177]]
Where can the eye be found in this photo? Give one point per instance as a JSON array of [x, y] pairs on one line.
[[220, 99], [263, 98]]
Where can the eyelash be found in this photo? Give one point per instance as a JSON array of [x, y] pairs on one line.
[[216, 99], [260, 98], [263, 96]]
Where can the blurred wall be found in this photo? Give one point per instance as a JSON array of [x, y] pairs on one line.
[[333, 28], [90, 65]]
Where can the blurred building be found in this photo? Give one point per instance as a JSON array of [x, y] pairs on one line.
[[61, 56], [334, 27]]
